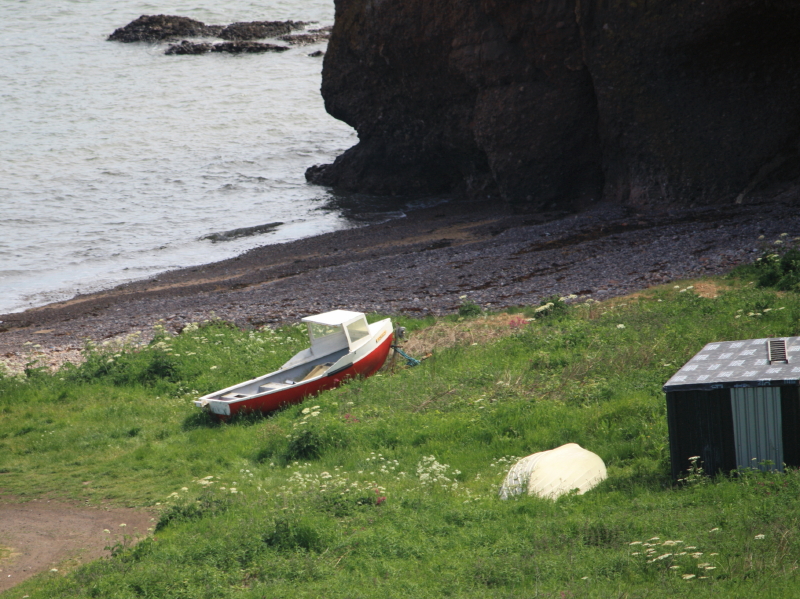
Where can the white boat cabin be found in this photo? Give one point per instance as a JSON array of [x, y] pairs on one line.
[[335, 330], [330, 333]]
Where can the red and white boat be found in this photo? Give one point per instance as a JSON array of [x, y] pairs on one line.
[[343, 346]]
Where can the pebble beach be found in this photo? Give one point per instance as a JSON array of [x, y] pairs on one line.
[[428, 262]]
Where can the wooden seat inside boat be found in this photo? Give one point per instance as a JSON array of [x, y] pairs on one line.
[[271, 387], [275, 385], [317, 370]]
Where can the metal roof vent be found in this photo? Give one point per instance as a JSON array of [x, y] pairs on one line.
[[777, 351]]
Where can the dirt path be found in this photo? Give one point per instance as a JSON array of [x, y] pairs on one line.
[[42, 535]]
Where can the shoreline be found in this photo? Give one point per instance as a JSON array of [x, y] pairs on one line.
[[420, 264]]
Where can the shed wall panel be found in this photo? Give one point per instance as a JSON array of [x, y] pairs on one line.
[[701, 424], [790, 420], [758, 431]]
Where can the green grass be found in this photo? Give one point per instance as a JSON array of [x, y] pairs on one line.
[[387, 487]]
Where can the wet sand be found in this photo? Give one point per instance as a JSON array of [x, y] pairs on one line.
[[421, 264]]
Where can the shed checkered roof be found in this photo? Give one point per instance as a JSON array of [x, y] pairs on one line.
[[738, 364]]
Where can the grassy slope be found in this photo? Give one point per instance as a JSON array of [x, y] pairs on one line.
[[387, 487]]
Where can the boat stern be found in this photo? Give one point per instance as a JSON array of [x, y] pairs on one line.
[[215, 406]]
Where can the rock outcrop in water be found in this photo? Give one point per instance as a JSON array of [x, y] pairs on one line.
[[312, 36], [239, 36], [554, 102], [187, 47], [259, 29], [159, 28]]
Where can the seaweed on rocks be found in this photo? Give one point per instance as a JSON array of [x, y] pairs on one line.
[[241, 232]]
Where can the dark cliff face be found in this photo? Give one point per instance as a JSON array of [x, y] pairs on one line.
[[553, 102]]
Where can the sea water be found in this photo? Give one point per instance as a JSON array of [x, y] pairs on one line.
[[118, 162]]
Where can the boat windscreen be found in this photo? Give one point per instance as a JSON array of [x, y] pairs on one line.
[[317, 331], [358, 330]]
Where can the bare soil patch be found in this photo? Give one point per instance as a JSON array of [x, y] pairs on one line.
[[708, 289], [43, 535], [473, 331]]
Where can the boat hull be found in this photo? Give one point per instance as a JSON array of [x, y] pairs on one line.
[[269, 402]]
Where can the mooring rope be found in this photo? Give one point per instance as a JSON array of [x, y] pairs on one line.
[[409, 360]]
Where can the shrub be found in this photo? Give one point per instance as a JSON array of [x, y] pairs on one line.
[[468, 309], [313, 442], [193, 510], [292, 533], [781, 272], [551, 306]]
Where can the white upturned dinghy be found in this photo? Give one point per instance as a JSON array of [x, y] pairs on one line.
[[550, 474]]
